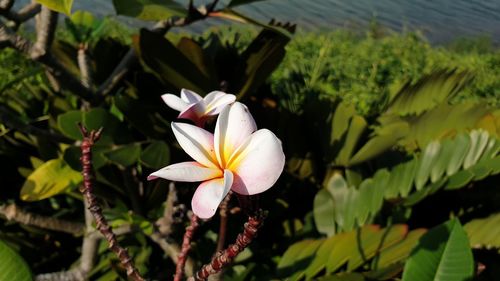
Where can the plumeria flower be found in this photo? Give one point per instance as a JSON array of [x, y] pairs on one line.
[[237, 157], [193, 107]]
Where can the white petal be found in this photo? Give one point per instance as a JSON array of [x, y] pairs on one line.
[[234, 126], [174, 102], [186, 171], [190, 96], [258, 163], [209, 194], [216, 101], [196, 142]]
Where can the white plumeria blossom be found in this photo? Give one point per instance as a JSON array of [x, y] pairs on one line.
[[192, 106], [237, 157]]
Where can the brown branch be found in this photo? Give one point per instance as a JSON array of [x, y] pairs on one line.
[[186, 246], [12, 212], [172, 250], [45, 30], [223, 222], [24, 14], [164, 224], [84, 66], [59, 72], [89, 138], [225, 257]]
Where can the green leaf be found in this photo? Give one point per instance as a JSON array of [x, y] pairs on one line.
[[156, 155], [323, 211], [61, 6], [125, 155], [12, 265], [51, 178], [428, 92], [484, 232], [171, 65], [442, 254], [400, 251], [153, 10], [356, 127], [429, 156], [92, 120], [298, 257]]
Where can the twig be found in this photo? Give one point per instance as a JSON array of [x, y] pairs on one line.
[[221, 241], [11, 39], [164, 223], [84, 66], [186, 246], [89, 243], [45, 30], [12, 212], [89, 138], [225, 257], [25, 13], [172, 250]]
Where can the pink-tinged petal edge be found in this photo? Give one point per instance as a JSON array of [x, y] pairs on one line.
[[194, 112], [190, 96], [258, 163], [234, 126], [209, 194], [196, 142], [187, 172], [174, 102]]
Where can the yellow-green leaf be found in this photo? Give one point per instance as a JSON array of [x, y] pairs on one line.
[[61, 6], [49, 179]]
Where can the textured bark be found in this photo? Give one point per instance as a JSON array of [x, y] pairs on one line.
[[14, 213]]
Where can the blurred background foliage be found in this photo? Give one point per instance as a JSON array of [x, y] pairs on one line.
[[392, 148]]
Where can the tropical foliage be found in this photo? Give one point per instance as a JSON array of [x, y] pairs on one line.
[[392, 148]]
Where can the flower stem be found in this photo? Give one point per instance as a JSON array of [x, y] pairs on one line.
[[186, 246], [225, 257], [89, 138]]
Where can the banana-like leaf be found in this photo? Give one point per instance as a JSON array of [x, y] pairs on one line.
[[153, 10], [449, 165], [428, 92], [351, 249], [170, 64], [241, 2], [442, 254], [484, 232], [12, 265]]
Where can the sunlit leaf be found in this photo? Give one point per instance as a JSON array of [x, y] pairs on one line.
[[441, 254], [61, 6], [51, 178], [153, 10], [12, 265]]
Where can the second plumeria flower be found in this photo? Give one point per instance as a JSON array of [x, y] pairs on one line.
[[197, 109], [237, 157]]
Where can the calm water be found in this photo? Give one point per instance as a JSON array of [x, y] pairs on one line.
[[440, 20]]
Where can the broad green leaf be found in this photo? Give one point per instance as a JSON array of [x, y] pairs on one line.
[[428, 92], [153, 10], [83, 19], [401, 180], [442, 254], [170, 64], [340, 121], [459, 179], [479, 140], [61, 6], [354, 276], [461, 147], [50, 179], [156, 155], [12, 265], [484, 232], [323, 211], [92, 120], [125, 155]]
